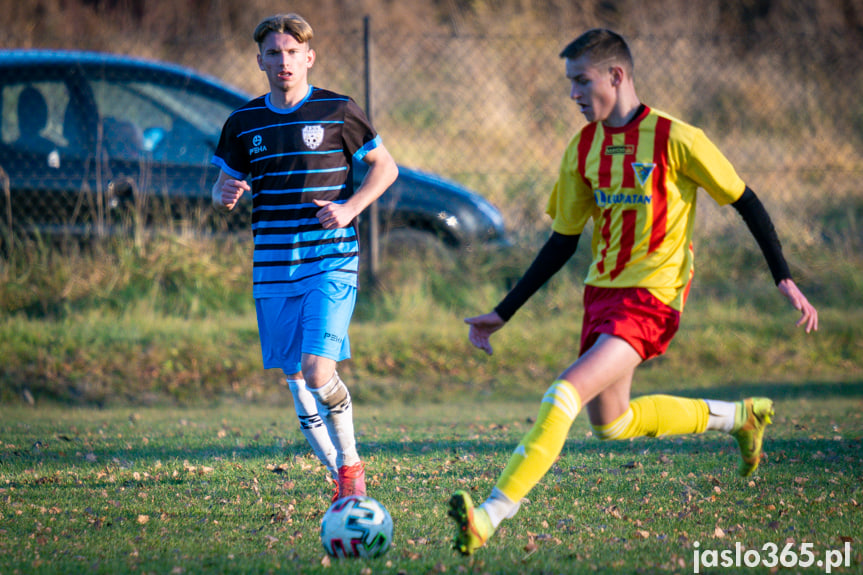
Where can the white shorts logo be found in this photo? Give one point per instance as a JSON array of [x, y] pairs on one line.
[[313, 136]]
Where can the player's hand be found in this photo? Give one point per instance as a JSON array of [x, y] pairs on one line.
[[808, 313], [333, 215], [226, 197], [481, 328]]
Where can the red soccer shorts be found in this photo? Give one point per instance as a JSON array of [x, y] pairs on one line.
[[633, 314]]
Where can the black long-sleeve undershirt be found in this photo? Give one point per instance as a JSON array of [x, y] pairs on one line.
[[759, 223], [556, 252]]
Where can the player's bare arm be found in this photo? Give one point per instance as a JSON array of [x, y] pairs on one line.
[[481, 328], [227, 191], [382, 173], [808, 313]]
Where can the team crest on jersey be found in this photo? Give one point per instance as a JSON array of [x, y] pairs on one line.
[[642, 171], [258, 145], [313, 136]]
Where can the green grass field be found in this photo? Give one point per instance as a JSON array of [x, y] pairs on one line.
[[233, 489], [139, 434]]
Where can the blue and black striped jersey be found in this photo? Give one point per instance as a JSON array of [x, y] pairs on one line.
[[291, 157]]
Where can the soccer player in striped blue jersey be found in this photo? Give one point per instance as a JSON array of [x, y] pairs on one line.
[[292, 149]]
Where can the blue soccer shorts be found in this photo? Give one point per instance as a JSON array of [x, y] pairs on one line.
[[314, 323]]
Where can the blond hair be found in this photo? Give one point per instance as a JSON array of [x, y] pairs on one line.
[[292, 24]]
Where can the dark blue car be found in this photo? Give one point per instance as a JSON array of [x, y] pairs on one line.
[[96, 144]]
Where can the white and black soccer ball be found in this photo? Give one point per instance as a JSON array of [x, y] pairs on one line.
[[356, 526]]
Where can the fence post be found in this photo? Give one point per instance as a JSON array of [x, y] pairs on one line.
[[7, 228], [372, 212]]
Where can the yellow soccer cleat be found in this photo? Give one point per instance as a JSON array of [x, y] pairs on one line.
[[473, 527], [753, 416]]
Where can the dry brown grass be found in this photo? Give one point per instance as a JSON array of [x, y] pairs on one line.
[[474, 89]]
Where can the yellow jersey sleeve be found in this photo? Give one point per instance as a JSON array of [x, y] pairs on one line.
[[571, 203], [712, 171]]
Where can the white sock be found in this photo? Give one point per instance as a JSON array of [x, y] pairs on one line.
[[499, 507], [721, 415], [313, 426], [334, 404]]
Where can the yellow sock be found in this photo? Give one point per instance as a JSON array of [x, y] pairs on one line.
[[540, 447], [655, 416]]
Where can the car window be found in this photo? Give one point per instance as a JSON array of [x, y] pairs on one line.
[[33, 117], [162, 123]]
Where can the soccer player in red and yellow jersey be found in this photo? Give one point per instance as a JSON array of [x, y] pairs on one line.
[[635, 172]]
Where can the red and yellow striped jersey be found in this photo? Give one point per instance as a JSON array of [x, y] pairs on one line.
[[639, 184]]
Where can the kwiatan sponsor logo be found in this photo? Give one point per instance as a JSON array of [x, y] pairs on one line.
[[602, 199]]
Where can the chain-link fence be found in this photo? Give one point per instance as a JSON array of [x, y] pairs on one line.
[[492, 112]]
